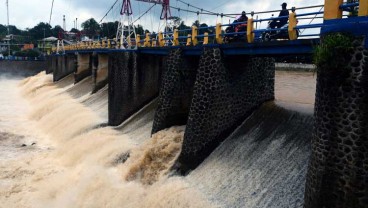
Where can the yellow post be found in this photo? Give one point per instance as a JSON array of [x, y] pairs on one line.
[[161, 41], [250, 28], [138, 41], [219, 34], [363, 8], [205, 39], [176, 38], [194, 35], [147, 40], [292, 25], [189, 40], [108, 43], [332, 9], [153, 42]]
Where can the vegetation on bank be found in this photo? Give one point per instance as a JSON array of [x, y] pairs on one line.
[[334, 52]]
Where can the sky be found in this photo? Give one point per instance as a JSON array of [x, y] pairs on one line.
[[28, 13]]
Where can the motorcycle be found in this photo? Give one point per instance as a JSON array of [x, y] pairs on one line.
[[279, 34], [235, 29]]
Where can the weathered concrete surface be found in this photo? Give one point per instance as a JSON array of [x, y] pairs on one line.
[[100, 71], [65, 65], [295, 67], [134, 81], [84, 67]]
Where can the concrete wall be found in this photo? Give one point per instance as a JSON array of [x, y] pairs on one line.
[[26, 68], [64, 65], [50, 65], [84, 67], [295, 67], [134, 81], [100, 71], [338, 168]]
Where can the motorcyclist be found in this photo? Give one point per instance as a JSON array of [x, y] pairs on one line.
[[281, 22], [243, 17]]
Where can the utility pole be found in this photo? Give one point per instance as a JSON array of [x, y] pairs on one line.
[[64, 24], [7, 8], [76, 23], [44, 29]]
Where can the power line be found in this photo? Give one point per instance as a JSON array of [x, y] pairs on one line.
[[149, 9], [190, 5], [202, 10], [108, 11]]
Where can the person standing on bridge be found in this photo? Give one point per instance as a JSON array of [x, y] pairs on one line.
[[281, 22]]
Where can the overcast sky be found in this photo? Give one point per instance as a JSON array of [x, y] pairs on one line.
[[27, 13]]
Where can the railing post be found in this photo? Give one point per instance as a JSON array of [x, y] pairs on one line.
[[292, 25], [138, 41], [363, 8], [205, 39], [161, 41], [219, 34], [108, 43], [332, 9], [194, 35], [189, 40], [176, 38], [250, 28], [147, 40]]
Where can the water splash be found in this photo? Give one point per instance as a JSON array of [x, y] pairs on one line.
[[154, 158], [72, 163]]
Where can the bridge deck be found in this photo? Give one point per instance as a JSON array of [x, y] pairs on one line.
[[302, 46]]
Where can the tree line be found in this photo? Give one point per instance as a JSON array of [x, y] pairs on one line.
[[90, 28]]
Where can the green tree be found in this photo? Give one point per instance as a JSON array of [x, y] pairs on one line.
[[57, 30], [73, 30], [40, 31], [109, 29], [91, 28], [139, 30]]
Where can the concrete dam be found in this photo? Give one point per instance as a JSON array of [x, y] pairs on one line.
[[232, 124], [212, 125]]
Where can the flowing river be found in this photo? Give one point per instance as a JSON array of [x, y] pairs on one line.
[[56, 151]]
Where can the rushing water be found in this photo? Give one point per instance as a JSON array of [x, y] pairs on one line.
[[54, 151]]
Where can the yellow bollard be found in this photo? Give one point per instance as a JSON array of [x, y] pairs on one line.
[[138, 41], [292, 25], [176, 38], [194, 35], [161, 41], [219, 39], [205, 39], [250, 28], [189, 40], [108, 43], [147, 40], [332, 9], [363, 8]]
